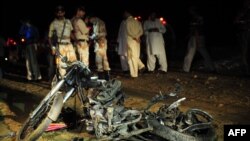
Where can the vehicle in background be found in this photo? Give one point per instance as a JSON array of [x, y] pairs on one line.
[[12, 50]]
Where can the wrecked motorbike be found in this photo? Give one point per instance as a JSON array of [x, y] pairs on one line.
[[170, 123], [167, 123], [77, 78], [103, 112]]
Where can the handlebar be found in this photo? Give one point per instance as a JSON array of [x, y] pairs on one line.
[[64, 59], [90, 82]]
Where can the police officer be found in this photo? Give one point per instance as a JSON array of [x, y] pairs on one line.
[[81, 34], [196, 42], [243, 23], [100, 43], [63, 29]]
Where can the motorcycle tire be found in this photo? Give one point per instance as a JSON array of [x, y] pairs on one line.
[[33, 128], [173, 135]]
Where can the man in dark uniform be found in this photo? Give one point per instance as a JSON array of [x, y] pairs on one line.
[[196, 42], [30, 35], [243, 23]]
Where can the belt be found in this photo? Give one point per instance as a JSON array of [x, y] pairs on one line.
[[63, 43], [82, 40]]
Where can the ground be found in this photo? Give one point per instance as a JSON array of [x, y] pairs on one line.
[[225, 97]]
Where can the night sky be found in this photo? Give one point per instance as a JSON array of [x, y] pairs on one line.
[[218, 14]]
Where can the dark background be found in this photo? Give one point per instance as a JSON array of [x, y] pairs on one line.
[[218, 14]]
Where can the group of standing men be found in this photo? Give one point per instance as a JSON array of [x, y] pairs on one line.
[[76, 29], [62, 31], [129, 35], [153, 30]]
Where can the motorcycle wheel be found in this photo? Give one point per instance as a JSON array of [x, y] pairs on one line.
[[33, 128], [173, 135]]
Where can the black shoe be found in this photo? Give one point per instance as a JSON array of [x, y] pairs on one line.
[[150, 72], [161, 72], [133, 78], [107, 75], [125, 72], [142, 70], [101, 75]]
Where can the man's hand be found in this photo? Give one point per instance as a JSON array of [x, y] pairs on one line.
[[93, 36], [53, 50], [153, 30], [137, 40]]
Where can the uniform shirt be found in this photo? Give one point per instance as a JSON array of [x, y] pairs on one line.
[[196, 25], [243, 20], [29, 32], [57, 25], [99, 28], [81, 31]]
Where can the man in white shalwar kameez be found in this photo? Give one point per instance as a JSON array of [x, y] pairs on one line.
[[134, 32], [155, 45], [122, 46]]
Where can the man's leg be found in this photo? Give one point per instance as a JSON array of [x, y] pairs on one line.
[[83, 51], [191, 49], [204, 53], [124, 62]]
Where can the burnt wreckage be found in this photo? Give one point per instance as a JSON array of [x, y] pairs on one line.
[[104, 114], [111, 120]]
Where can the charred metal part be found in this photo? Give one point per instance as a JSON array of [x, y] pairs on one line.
[[176, 91], [195, 122], [129, 113], [175, 104], [155, 99], [177, 88], [193, 112], [110, 112], [125, 134], [109, 91], [172, 124], [118, 100], [194, 127]]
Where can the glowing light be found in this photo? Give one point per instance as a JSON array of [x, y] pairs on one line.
[[22, 40], [10, 42], [135, 18], [164, 22], [161, 19]]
